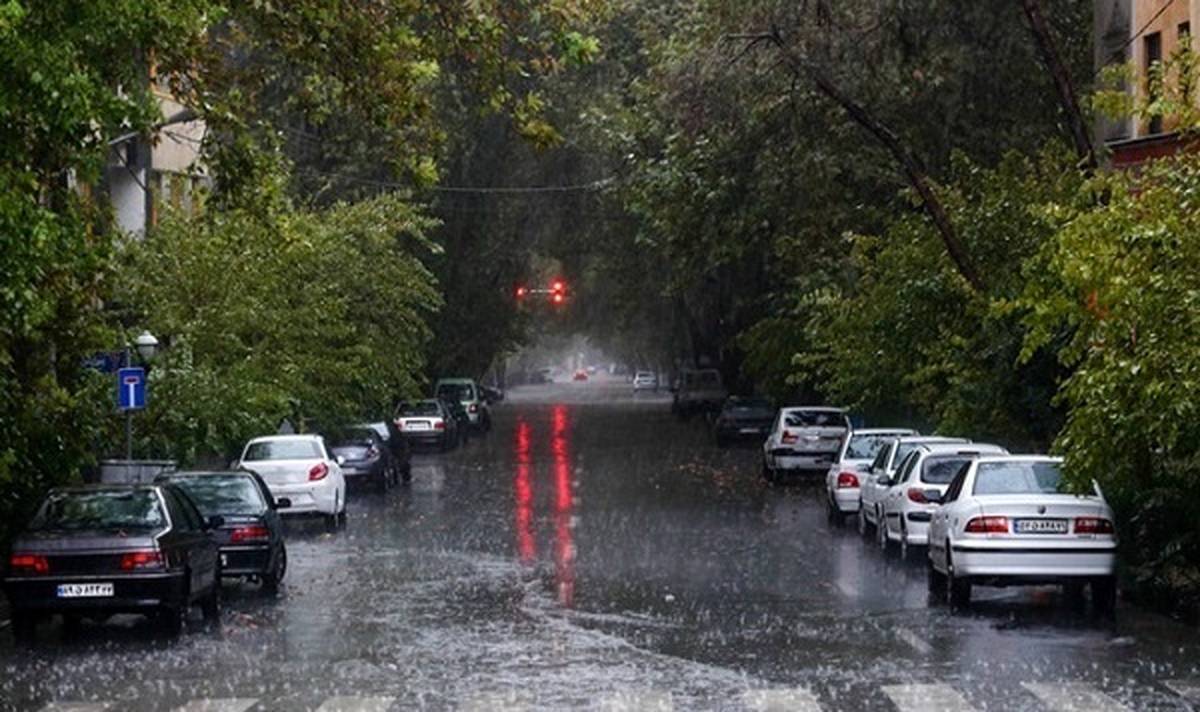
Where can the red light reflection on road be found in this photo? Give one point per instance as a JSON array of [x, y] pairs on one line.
[[523, 487], [564, 536]]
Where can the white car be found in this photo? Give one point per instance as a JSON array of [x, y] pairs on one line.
[[878, 475], [300, 469], [1004, 521], [921, 480], [804, 438], [845, 476], [645, 381]]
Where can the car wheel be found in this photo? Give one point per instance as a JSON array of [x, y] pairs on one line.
[[384, 482], [881, 536], [210, 606], [24, 627], [862, 519], [1104, 595], [905, 549], [169, 619], [767, 473], [406, 475], [936, 582], [960, 588], [272, 580], [832, 513]]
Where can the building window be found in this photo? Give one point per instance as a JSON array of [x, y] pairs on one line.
[[1185, 32], [1152, 55]]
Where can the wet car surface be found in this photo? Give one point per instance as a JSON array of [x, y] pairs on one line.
[[594, 553]]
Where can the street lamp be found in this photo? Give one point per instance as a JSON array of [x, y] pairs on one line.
[[146, 345]]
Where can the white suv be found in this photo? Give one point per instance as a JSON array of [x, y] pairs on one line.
[[300, 469]]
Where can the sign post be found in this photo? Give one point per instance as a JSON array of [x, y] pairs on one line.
[[131, 396]]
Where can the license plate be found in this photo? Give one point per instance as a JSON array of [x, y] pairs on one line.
[[417, 426], [1040, 526], [85, 590]]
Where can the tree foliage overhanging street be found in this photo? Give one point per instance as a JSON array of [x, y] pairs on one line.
[[892, 206]]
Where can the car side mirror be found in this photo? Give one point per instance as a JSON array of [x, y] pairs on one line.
[[340, 460], [283, 503], [933, 496], [214, 522]]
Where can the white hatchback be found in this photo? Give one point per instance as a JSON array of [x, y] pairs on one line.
[[845, 476], [1004, 521], [878, 475], [299, 468]]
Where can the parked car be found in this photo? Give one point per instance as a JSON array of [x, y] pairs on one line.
[[743, 418], [878, 476], [365, 459], [301, 469], [251, 535], [803, 439], [397, 444], [462, 420], [645, 381], [907, 504], [847, 472], [427, 422], [1005, 521], [467, 392], [580, 375], [698, 391], [97, 550]]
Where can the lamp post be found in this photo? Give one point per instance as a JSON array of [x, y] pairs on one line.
[[147, 346]]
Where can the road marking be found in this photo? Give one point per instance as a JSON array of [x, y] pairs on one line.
[[228, 705], [638, 701], [927, 698], [76, 707], [1073, 697], [914, 641], [356, 704], [1187, 689], [796, 699]]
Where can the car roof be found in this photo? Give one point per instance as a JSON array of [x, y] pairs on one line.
[[1020, 458], [899, 432], [927, 439], [971, 448], [203, 473], [107, 487], [813, 408], [266, 438]]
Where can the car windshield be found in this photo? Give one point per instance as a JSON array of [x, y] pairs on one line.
[[420, 408], [103, 509], [815, 419], [866, 447], [940, 470], [219, 495], [456, 391], [354, 438], [283, 450], [1018, 478]]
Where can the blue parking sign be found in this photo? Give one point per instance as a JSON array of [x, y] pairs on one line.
[[131, 389]]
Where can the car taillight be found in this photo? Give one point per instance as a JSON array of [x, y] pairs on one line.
[[28, 564], [790, 437], [135, 560], [474, 408], [988, 525], [847, 479], [917, 495], [254, 532], [318, 472], [1093, 525], [439, 425]]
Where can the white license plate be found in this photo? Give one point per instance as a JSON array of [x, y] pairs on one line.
[[85, 590], [1040, 526], [417, 426]]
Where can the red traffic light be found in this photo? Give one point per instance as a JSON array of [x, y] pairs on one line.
[[559, 297]]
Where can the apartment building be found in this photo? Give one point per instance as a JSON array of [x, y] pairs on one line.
[[1141, 32]]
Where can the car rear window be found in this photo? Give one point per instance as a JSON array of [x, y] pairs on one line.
[[283, 450], [940, 470], [815, 419], [218, 495], [103, 509], [456, 391], [866, 447], [408, 410], [1018, 478]]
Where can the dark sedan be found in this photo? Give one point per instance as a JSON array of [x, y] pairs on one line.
[[251, 534], [743, 418], [365, 459], [104, 549]]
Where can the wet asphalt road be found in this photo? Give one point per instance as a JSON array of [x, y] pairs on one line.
[[594, 553]]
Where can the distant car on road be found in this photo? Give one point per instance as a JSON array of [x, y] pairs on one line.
[[846, 474], [698, 391], [743, 418], [97, 550], [645, 381], [908, 504], [1005, 521], [467, 392], [878, 475], [251, 534], [803, 439], [301, 469], [580, 375], [427, 422], [366, 459]]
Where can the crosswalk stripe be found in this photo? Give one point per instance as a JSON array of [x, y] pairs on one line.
[[797, 699], [1187, 689], [638, 701], [240, 704], [1073, 697], [356, 704], [494, 703], [75, 707], [927, 698]]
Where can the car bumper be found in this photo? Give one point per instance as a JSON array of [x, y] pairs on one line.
[[792, 460], [245, 560], [916, 531], [353, 474], [846, 499], [1028, 562], [131, 593], [320, 498]]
